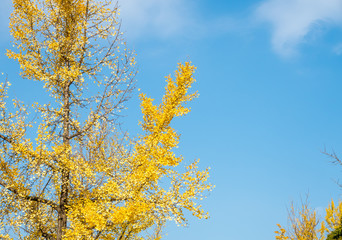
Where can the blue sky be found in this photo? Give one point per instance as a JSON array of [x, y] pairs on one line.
[[270, 79]]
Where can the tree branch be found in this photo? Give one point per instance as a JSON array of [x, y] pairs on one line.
[[28, 197]]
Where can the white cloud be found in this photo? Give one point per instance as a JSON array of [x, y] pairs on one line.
[[293, 20], [158, 17], [171, 18]]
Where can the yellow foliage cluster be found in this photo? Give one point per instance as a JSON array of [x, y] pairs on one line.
[[305, 225], [80, 177]]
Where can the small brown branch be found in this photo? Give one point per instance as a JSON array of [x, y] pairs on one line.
[[28, 197], [335, 158], [46, 235], [7, 139]]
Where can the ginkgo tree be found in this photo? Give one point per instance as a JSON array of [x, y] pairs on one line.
[[305, 224], [69, 172]]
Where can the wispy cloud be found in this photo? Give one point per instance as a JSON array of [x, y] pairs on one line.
[[170, 18], [161, 18], [338, 49], [293, 20]]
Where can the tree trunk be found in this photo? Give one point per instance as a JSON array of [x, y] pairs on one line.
[[62, 211]]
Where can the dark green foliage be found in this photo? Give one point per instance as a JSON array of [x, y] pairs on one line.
[[336, 234]]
